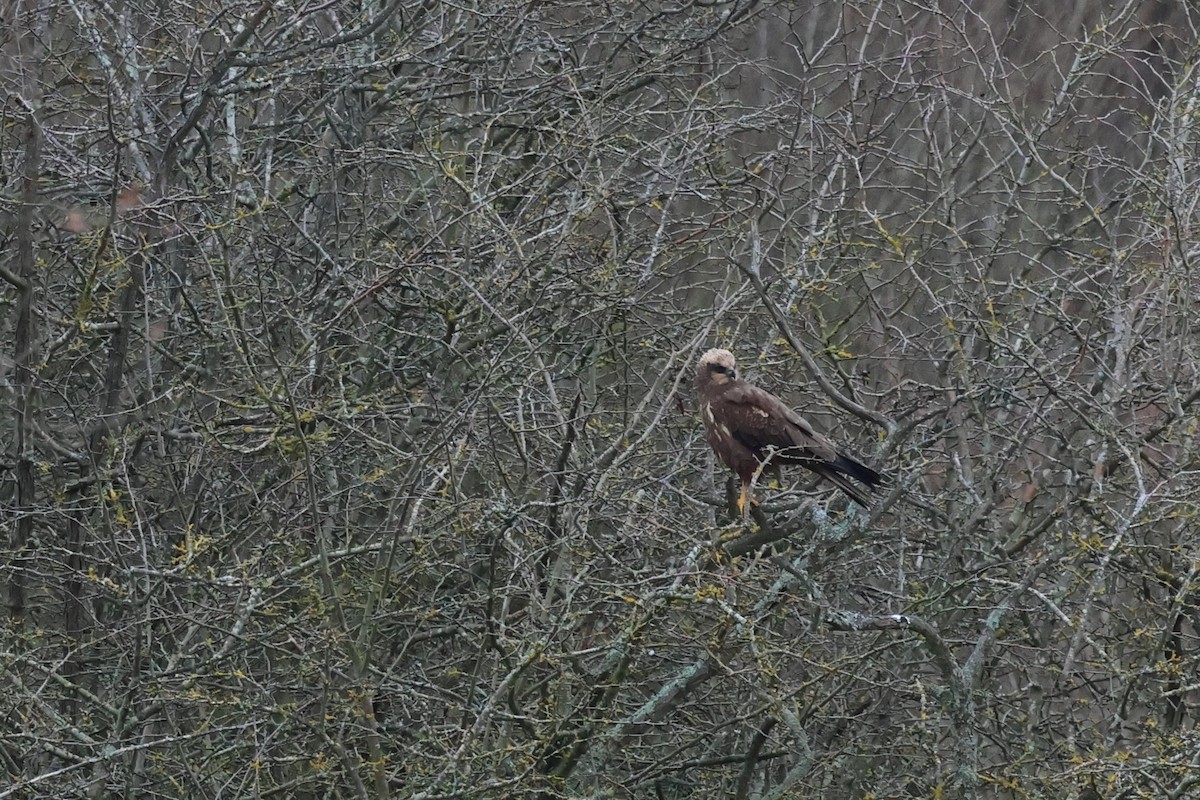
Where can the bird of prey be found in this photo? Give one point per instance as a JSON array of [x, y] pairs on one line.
[[751, 429]]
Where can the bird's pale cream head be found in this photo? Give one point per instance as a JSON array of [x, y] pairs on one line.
[[717, 366]]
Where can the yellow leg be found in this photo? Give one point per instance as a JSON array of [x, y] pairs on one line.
[[741, 503]]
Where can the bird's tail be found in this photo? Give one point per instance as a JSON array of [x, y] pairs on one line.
[[855, 469], [841, 469]]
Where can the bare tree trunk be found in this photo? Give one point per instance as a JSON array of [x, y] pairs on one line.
[[25, 347]]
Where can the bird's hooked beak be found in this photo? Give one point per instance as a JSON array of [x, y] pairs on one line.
[[724, 370]]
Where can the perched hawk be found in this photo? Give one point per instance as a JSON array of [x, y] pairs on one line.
[[748, 427]]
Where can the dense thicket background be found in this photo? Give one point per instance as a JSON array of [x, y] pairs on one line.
[[348, 442]]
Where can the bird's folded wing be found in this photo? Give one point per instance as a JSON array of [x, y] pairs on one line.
[[759, 420]]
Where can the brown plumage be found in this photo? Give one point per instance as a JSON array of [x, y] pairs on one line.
[[748, 427]]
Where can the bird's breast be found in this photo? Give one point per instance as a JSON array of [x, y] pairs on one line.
[[718, 433]]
